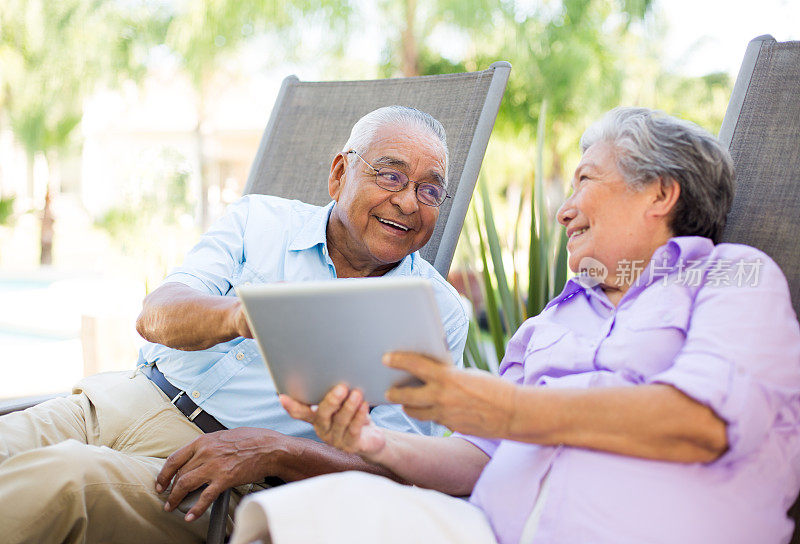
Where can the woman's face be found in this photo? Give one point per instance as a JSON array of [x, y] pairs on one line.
[[606, 219]]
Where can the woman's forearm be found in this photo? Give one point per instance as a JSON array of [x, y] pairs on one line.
[[447, 464], [180, 317], [648, 421]]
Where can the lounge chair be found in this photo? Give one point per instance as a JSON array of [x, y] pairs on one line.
[[310, 120], [762, 131]]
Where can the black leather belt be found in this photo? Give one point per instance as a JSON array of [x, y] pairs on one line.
[[183, 402]]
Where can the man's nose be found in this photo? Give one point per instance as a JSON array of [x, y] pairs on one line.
[[406, 199]]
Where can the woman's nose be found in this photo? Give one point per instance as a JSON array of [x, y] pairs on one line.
[[566, 212]]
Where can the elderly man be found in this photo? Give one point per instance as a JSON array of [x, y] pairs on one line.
[[656, 401], [91, 467]]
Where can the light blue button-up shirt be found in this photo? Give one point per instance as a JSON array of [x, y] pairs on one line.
[[263, 239]]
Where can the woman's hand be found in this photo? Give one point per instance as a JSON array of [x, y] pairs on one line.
[[468, 401], [341, 420]]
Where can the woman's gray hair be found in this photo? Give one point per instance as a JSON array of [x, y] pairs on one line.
[[363, 132], [650, 145]]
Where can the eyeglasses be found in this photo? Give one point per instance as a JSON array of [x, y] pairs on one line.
[[430, 194]]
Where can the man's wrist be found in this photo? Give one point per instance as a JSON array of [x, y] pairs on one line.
[[233, 317]]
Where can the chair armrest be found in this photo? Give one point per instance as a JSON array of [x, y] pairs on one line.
[[21, 403]]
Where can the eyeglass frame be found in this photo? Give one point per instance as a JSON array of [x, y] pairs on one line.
[[408, 180]]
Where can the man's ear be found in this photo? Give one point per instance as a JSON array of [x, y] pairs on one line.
[[666, 192], [336, 178]]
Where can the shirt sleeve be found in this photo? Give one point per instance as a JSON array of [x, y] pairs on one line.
[[392, 416], [212, 263], [741, 356], [457, 339]]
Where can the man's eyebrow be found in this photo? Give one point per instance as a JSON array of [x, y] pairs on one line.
[[392, 161], [400, 164]]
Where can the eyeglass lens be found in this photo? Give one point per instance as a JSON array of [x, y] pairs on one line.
[[430, 194]]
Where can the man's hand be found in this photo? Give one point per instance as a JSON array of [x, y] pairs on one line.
[[469, 401], [341, 420], [222, 459]]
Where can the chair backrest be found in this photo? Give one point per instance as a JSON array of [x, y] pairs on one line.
[[311, 121], [762, 131]]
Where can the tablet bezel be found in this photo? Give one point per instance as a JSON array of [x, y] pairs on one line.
[[313, 335]]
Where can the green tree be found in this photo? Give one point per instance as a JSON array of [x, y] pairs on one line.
[[204, 34], [408, 50], [53, 54]]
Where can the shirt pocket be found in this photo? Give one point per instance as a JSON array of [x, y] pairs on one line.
[[651, 339], [544, 352]]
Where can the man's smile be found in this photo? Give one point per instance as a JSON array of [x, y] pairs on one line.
[[393, 224]]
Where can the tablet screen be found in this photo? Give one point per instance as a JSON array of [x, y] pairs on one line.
[[314, 335]]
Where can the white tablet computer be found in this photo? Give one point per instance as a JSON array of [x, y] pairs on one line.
[[314, 335]]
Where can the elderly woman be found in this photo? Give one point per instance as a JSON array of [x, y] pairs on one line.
[[654, 400]]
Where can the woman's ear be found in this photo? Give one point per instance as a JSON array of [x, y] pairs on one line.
[[336, 178], [665, 194]]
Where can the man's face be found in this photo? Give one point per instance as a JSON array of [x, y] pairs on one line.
[[373, 228]]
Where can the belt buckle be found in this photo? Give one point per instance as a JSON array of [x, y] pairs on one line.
[[191, 417], [194, 414]]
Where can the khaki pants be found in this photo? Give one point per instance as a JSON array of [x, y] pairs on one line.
[[83, 468]]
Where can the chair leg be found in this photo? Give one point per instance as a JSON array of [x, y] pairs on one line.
[[219, 518]]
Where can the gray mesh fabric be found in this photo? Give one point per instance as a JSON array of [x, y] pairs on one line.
[[763, 127], [766, 153], [313, 121]]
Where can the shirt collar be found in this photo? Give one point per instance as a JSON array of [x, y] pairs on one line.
[[683, 248], [576, 284], [665, 258], [688, 248], [314, 231], [405, 266]]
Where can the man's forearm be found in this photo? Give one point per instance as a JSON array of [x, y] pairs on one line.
[[308, 458], [649, 421], [180, 317]]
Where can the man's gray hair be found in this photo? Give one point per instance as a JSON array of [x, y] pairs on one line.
[[363, 132], [650, 145]]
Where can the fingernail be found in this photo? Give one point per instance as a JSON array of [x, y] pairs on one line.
[[166, 506], [159, 489], [189, 517]]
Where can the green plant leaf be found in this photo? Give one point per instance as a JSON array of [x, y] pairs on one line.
[[507, 304], [492, 310]]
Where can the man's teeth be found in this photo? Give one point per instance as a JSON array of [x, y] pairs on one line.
[[581, 231], [392, 223]]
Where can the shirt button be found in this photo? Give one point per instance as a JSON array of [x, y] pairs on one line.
[[196, 394], [239, 356]]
